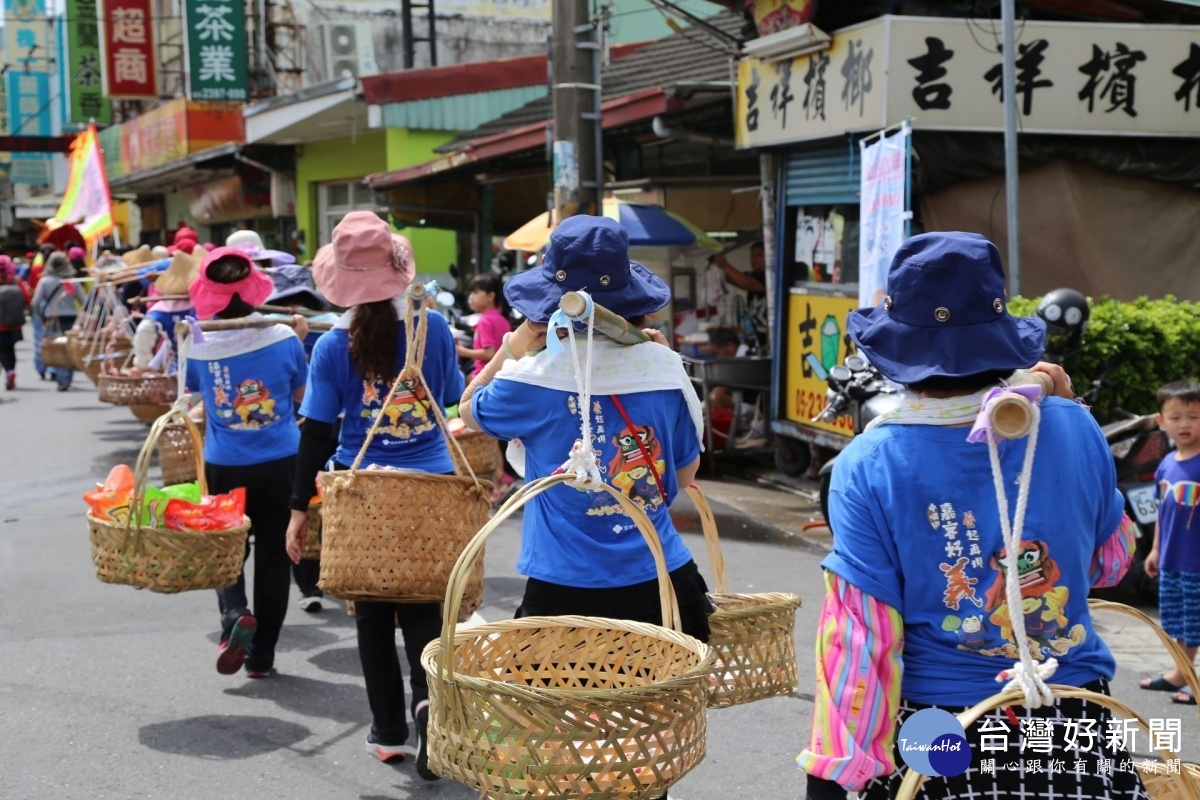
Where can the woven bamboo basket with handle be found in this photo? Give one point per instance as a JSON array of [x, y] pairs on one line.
[[55, 352], [160, 559], [753, 634], [394, 536], [568, 706], [148, 414], [479, 450], [177, 453], [1160, 784], [312, 545], [1180, 786]]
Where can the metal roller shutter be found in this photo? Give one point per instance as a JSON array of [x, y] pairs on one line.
[[826, 173]]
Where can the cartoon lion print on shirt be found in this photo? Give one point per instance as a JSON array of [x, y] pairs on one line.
[[407, 413], [253, 405], [1044, 604]]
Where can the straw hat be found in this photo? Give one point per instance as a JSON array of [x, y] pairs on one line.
[[135, 258], [159, 252], [179, 276]]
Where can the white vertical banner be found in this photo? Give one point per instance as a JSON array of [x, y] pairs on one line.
[[884, 174]]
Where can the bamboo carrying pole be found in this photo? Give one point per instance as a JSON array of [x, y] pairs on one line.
[[1012, 416], [208, 325], [574, 305]]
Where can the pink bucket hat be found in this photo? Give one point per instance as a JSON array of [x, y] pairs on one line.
[[211, 297], [365, 263]]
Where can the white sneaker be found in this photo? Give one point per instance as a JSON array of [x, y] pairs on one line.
[[310, 604]]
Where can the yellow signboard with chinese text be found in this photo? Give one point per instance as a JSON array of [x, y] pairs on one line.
[[816, 325]]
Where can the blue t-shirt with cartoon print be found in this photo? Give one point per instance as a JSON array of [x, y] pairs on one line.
[[583, 539], [247, 378], [409, 437], [1178, 486], [916, 525]]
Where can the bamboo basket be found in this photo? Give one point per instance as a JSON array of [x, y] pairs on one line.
[[55, 353], [176, 452], [149, 413], [753, 634], [92, 359], [479, 450], [160, 559], [394, 536], [312, 545], [566, 706], [1160, 784], [150, 389]]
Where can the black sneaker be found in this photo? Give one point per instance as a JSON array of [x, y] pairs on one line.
[[422, 717], [385, 752]]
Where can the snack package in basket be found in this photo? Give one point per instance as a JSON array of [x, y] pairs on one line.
[[220, 512], [110, 500]]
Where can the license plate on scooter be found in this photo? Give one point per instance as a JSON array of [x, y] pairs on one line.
[[1144, 504]]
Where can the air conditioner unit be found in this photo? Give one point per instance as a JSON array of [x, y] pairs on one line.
[[348, 49]]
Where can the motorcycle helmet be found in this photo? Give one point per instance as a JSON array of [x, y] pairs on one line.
[[1065, 312]]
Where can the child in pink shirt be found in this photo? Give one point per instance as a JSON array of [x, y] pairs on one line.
[[484, 294]]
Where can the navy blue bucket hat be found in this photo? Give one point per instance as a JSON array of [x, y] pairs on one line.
[[945, 314], [592, 254]]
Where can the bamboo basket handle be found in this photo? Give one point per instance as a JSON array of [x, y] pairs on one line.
[[474, 549], [712, 540], [913, 780], [142, 468], [1182, 662]]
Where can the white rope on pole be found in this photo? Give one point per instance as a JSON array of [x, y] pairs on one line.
[[1026, 675], [582, 460]]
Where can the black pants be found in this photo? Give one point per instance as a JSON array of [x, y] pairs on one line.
[[420, 623], [268, 504], [638, 602], [306, 574], [8, 350]]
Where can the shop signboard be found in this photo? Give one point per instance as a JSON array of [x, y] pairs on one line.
[[82, 79], [128, 47], [1075, 78], [171, 131], [816, 326], [227, 200], [27, 78], [216, 50]]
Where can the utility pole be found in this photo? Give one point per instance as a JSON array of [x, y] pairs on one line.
[[1012, 204], [578, 163]]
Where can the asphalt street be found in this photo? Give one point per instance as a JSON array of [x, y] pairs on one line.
[[109, 692]]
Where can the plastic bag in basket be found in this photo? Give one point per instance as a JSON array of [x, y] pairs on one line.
[[110, 500], [220, 512]]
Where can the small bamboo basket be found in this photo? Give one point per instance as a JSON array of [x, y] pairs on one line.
[[566, 707], [160, 559], [55, 353], [312, 545], [1160, 783], [391, 535], [148, 414], [176, 452], [478, 450], [753, 634]]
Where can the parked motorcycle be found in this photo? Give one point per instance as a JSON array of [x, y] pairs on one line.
[[856, 390]]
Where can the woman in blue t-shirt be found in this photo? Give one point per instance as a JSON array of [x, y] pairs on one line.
[[581, 554], [249, 380], [367, 269]]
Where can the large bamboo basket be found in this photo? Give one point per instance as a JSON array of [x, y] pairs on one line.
[[150, 389], [479, 450], [753, 634], [394, 536], [92, 355], [1160, 784], [177, 453], [565, 707], [56, 354], [160, 559]]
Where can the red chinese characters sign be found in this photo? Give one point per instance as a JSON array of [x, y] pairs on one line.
[[130, 64]]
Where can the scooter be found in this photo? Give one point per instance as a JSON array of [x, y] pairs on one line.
[[856, 390]]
